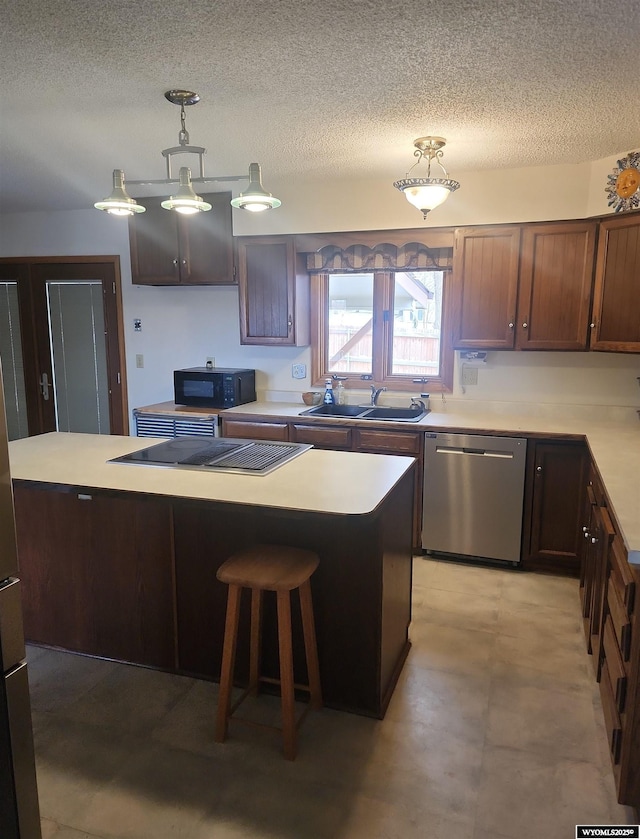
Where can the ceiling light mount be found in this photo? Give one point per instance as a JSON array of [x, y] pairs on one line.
[[255, 198], [427, 193], [182, 97]]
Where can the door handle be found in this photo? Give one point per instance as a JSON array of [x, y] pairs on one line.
[[44, 386]]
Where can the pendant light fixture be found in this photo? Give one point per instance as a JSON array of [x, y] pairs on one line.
[[255, 198], [185, 200], [427, 193]]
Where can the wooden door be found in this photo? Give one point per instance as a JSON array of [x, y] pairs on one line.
[[616, 302], [168, 248], [554, 299], [153, 242], [485, 287], [266, 276], [206, 244], [558, 477], [43, 346]]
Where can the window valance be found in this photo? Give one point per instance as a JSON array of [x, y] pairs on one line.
[[411, 256]]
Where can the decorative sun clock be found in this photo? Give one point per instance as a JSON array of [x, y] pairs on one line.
[[623, 184]]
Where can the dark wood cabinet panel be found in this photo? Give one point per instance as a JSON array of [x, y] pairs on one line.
[[278, 431], [130, 577], [556, 478], [362, 640], [485, 287], [556, 273], [168, 248], [391, 442], [323, 436], [608, 592], [110, 593], [274, 292], [616, 308]]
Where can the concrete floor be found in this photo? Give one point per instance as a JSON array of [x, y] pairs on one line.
[[494, 732]]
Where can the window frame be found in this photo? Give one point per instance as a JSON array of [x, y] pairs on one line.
[[382, 332]]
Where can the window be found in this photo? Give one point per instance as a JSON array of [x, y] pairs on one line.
[[383, 326]]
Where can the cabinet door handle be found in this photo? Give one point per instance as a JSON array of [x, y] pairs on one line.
[[592, 325], [538, 468], [290, 322], [524, 325], [510, 324], [593, 540], [586, 534], [174, 261]]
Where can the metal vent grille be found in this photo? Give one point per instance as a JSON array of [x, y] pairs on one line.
[[257, 457], [160, 425]]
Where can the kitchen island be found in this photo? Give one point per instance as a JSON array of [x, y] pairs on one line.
[[120, 560]]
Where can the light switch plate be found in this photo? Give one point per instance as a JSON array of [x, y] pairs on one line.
[[298, 371]]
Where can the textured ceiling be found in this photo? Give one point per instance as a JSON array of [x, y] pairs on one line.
[[325, 88]]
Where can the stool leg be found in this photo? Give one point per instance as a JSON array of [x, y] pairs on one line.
[[228, 661], [256, 632], [286, 674], [310, 645]]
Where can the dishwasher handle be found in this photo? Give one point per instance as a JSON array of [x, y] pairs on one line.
[[475, 452]]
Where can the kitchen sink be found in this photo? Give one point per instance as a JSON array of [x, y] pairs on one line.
[[335, 411], [396, 414], [362, 412]]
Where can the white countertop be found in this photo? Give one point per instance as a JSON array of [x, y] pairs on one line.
[[613, 437], [341, 483]]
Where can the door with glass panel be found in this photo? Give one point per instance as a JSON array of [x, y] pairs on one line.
[[61, 339]]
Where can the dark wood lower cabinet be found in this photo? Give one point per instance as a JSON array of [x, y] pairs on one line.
[[609, 592], [133, 578], [556, 477], [97, 572]]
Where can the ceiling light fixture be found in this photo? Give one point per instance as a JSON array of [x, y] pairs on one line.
[[255, 198], [185, 200], [427, 193]]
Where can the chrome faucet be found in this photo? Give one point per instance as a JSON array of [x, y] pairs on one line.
[[375, 393]]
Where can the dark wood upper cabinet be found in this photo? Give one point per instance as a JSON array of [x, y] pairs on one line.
[[616, 303], [168, 248], [485, 287], [274, 292], [554, 298]]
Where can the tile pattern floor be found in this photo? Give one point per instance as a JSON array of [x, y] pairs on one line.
[[494, 732]]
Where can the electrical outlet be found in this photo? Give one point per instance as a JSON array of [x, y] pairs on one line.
[[298, 371], [139, 360], [469, 375], [211, 362]]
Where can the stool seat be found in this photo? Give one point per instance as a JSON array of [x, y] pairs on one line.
[[269, 567], [280, 569]]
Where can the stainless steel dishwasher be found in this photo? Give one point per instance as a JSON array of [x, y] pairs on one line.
[[473, 495]]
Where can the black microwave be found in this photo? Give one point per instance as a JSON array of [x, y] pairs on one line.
[[215, 387]]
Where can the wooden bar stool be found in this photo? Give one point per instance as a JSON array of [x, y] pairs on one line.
[[281, 569]]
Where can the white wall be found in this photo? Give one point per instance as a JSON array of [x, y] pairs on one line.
[[182, 326]]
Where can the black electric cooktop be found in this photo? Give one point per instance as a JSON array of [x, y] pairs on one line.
[[253, 457]]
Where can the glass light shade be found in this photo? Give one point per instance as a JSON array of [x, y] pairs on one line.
[[255, 199], [185, 201], [119, 203], [426, 193]]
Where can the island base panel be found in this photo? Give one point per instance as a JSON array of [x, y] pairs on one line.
[[361, 594]]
